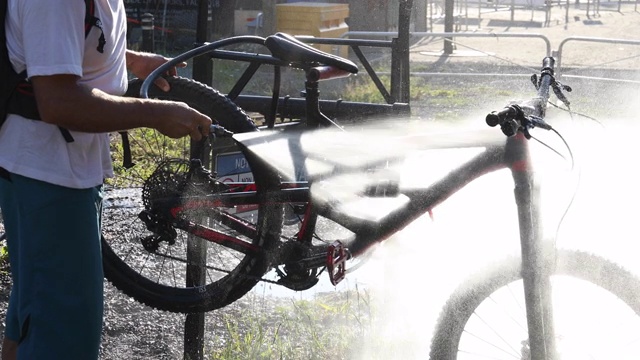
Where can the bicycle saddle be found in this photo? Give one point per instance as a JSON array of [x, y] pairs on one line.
[[288, 48]]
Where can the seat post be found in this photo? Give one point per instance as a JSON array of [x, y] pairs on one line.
[[315, 117], [312, 95]]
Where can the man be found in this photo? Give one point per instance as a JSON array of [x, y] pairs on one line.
[[50, 189]]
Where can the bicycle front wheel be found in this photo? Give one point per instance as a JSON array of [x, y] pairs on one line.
[[596, 310], [147, 258]]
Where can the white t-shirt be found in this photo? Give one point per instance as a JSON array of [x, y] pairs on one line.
[[49, 37]]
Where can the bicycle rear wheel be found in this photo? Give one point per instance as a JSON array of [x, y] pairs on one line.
[[485, 319], [152, 269]]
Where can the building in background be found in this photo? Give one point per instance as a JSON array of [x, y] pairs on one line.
[[175, 20]]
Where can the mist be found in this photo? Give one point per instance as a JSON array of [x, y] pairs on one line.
[[589, 194], [588, 199]]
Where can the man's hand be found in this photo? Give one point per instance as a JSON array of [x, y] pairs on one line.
[[142, 64], [177, 119]]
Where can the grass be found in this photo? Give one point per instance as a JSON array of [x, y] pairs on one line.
[[4, 258], [5, 270], [433, 98], [4, 253], [331, 326], [148, 147]]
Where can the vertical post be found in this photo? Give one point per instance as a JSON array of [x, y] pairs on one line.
[[466, 15], [400, 72], [196, 250], [448, 26], [148, 39], [404, 25], [421, 16], [202, 68], [396, 69], [268, 17], [566, 16], [194, 323]]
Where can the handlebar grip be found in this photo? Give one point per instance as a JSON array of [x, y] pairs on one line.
[[499, 117], [548, 63], [493, 119]]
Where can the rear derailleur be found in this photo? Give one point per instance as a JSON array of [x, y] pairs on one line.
[[164, 190], [162, 231]]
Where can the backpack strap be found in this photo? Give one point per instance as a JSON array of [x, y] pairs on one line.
[[7, 74], [90, 20], [18, 91]]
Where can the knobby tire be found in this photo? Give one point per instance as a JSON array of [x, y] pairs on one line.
[[157, 279], [466, 299]]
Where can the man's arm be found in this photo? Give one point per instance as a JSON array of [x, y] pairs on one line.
[[64, 102]]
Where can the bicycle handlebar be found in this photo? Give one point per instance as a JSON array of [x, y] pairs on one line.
[[516, 118]]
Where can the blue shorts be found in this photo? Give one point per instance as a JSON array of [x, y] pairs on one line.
[[56, 303]]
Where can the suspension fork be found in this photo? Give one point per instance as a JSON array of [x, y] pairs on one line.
[[535, 274]]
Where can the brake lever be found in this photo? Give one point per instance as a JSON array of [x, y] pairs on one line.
[[532, 121], [557, 89], [535, 121]]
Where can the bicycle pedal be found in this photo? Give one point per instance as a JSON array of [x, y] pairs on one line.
[[337, 257]]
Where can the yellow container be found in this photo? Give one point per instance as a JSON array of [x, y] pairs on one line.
[[323, 20]]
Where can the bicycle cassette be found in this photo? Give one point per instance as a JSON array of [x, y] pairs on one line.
[[165, 186]]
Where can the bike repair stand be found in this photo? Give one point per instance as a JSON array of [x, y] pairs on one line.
[[196, 250]]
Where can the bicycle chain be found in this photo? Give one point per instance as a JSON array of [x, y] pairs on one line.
[[228, 272]]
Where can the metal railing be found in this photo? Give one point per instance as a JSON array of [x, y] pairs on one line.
[[559, 53], [451, 35]]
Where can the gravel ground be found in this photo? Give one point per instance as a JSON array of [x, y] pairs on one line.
[[134, 331]]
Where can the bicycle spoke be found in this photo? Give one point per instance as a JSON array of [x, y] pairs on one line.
[[580, 328]]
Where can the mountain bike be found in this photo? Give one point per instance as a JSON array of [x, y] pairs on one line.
[[182, 238]]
